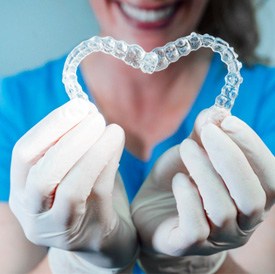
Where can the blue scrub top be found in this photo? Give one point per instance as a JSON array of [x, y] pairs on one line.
[[29, 96]]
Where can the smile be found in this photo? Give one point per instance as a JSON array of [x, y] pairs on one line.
[[144, 15], [149, 17]]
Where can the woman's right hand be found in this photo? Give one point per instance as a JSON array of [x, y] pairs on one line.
[[65, 188]]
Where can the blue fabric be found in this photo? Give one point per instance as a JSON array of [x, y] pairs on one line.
[[28, 97]]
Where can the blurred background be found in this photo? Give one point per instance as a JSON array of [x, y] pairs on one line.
[[34, 32]]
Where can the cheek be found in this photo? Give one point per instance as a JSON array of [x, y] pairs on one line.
[[198, 8], [190, 16], [100, 9], [201, 7], [103, 11]]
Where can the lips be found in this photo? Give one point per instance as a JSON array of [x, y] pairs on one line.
[[148, 17]]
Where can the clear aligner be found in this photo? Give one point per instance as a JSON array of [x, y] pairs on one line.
[[156, 60]]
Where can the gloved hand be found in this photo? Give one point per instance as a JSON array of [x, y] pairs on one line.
[[204, 196], [65, 190]]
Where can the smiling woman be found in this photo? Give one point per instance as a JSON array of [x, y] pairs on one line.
[[144, 171]]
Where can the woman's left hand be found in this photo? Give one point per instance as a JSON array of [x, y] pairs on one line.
[[208, 194]]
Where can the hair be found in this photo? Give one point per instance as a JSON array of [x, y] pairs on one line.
[[235, 22]]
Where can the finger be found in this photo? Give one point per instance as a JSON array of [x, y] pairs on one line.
[[166, 167], [192, 228], [217, 203], [49, 171], [120, 201], [241, 181], [100, 197], [115, 137], [33, 145], [259, 156], [98, 166]]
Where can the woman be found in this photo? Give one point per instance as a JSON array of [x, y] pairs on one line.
[[65, 189]]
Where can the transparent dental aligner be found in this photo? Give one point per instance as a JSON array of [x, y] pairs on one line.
[[156, 60]]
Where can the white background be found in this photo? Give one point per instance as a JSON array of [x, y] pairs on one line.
[[35, 31]]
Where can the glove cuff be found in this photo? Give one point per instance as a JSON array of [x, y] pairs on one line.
[[162, 264], [63, 261]]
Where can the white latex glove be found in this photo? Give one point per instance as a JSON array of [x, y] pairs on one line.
[[65, 190], [206, 195]]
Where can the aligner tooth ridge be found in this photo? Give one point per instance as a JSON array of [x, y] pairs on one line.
[[156, 60]]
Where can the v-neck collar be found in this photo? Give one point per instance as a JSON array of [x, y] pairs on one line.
[[204, 99]]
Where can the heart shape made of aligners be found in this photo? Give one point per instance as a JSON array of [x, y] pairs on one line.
[[156, 60]]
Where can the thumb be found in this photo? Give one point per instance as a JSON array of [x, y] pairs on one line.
[[176, 235], [166, 167], [192, 219]]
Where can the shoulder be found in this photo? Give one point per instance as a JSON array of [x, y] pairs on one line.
[[256, 92], [28, 96], [259, 74], [256, 101], [34, 81], [25, 99]]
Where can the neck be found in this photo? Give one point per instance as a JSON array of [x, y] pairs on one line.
[[105, 75], [135, 100]]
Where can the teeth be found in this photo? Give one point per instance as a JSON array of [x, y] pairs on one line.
[[144, 15]]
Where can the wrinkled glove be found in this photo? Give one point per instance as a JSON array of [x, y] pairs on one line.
[[65, 190], [204, 196]]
